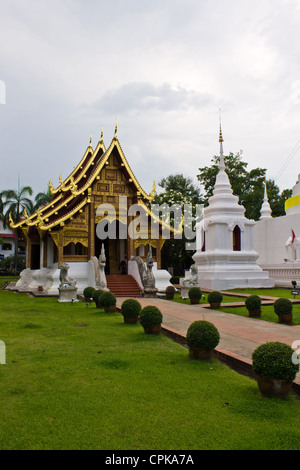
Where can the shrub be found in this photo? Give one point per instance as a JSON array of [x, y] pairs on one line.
[[215, 297], [170, 290], [253, 302], [150, 316], [88, 292], [108, 299], [97, 294], [131, 308], [202, 334], [97, 297], [283, 307], [274, 361], [195, 293]]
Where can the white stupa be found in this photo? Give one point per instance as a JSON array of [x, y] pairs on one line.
[[225, 256], [266, 211]]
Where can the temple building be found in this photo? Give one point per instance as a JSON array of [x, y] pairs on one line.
[[102, 187]]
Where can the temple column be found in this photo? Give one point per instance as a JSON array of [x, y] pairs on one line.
[[158, 253], [60, 248], [91, 247], [41, 253], [28, 253]]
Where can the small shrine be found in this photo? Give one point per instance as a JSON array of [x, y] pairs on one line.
[[225, 256]]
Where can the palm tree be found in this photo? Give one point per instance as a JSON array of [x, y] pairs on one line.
[[42, 199], [14, 204]]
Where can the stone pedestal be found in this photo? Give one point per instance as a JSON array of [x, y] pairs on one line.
[[184, 291], [67, 294], [150, 293]]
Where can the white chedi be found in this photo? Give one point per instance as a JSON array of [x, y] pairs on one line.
[[225, 256]]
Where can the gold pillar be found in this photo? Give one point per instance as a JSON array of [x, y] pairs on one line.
[[91, 247]]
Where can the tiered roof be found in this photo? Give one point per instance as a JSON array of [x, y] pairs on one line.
[[74, 192]]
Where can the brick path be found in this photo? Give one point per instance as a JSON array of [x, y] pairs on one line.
[[239, 335]]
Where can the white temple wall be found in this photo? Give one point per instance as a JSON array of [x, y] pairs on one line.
[[271, 235]]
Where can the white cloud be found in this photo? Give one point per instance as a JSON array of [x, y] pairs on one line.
[[162, 68]]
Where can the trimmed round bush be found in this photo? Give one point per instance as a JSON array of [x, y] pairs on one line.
[[215, 297], [273, 360], [108, 299], [253, 302], [131, 308], [88, 292], [283, 306], [203, 335], [97, 294], [170, 290], [195, 293], [150, 316]]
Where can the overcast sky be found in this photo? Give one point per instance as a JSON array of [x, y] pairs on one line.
[[163, 69]]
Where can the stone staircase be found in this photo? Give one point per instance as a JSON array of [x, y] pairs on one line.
[[123, 285]]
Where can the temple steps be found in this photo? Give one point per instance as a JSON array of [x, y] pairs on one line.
[[123, 285]]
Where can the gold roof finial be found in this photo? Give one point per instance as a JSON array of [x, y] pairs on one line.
[[220, 134], [101, 138], [221, 164], [91, 138], [116, 129]]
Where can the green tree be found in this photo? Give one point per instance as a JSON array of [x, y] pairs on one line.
[[15, 204], [42, 199], [247, 185], [180, 190]]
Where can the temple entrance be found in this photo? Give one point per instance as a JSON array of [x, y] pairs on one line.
[[115, 250], [35, 256]]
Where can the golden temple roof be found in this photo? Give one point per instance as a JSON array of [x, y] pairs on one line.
[[74, 192]]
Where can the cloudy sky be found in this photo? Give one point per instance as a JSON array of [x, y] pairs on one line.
[[163, 69]]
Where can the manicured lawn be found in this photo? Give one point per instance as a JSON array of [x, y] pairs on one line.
[[278, 292], [4, 279], [226, 298], [78, 378], [267, 313]]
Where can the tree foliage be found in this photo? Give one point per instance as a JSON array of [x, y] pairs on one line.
[[247, 185], [178, 189]]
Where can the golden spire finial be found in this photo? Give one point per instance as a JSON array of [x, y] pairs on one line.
[[220, 135], [91, 138], [101, 138], [116, 129]]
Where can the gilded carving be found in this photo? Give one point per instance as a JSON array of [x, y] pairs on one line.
[[119, 188], [111, 175], [102, 187]]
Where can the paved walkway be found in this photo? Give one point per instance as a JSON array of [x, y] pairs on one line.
[[239, 335]]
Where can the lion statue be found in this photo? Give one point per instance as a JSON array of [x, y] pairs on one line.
[[65, 280]]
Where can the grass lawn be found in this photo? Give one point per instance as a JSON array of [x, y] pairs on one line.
[[226, 298], [78, 378], [276, 292], [267, 313], [4, 279]]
